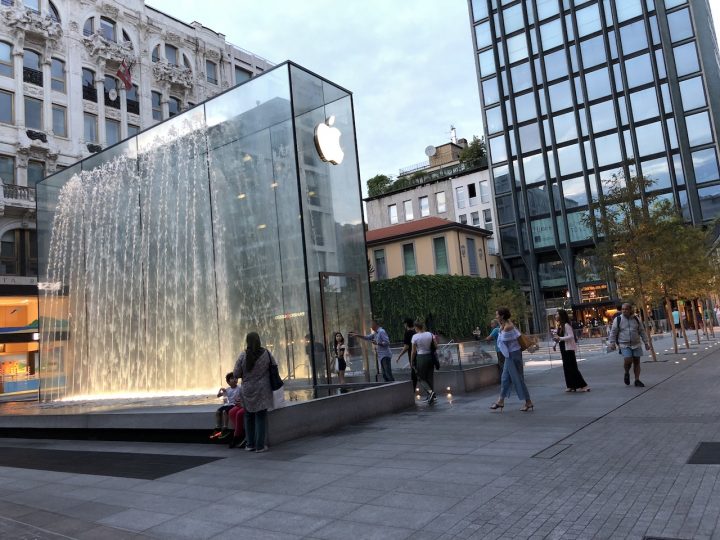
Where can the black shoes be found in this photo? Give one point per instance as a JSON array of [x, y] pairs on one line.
[[639, 383], [432, 398], [627, 379], [237, 442]]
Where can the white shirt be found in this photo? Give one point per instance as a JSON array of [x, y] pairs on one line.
[[232, 394], [422, 342]]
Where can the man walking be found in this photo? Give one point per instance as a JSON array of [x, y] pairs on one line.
[[628, 333], [381, 340]]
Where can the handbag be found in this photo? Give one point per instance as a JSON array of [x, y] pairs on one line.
[[524, 342], [433, 352], [276, 382]]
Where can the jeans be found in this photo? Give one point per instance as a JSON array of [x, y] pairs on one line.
[[512, 373], [386, 369], [425, 371], [255, 427]]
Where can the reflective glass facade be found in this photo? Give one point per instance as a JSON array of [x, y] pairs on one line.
[[583, 90], [158, 255]]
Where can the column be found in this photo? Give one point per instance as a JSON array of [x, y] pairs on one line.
[[19, 92], [21, 162], [100, 87], [47, 93], [123, 111], [164, 103]]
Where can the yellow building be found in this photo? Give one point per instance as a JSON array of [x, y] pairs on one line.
[[431, 246]]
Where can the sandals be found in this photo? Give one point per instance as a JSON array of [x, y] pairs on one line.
[[527, 408], [497, 405]]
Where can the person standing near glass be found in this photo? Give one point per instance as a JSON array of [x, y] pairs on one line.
[[381, 340], [566, 338], [253, 367], [512, 370]]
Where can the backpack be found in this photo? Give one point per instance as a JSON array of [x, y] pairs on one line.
[[617, 318]]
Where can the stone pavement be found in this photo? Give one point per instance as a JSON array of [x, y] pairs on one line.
[[606, 464]]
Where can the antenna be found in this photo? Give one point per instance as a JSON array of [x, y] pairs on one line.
[[453, 135], [430, 151]]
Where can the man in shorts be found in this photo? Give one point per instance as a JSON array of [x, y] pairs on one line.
[[628, 333]]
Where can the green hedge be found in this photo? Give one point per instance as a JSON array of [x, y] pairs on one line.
[[455, 304]]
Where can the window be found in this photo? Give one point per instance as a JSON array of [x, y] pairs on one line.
[[639, 70], [565, 128], [6, 60], [211, 69], [487, 218], [35, 173], [560, 96], [569, 158], [111, 86], [487, 63], [509, 241], [57, 71], [598, 83], [392, 214], [241, 75], [529, 137], [705, 165], [112, 131], [171, 55], [475, 219], [156, 54], [658, 172], [692, 93], [156, 106], [89, 90], [513, 19], [54, 15], [521, 76], [7, 170], [556, 65], [33, 113], [534, 168], [8, 253], [551, 34], [89, 27], [107, 29], [440, 202], [424, 206], [461, 197], [34, 5], [90, 128], [407, 205], [517, 48], [698, 129], [380, 264], [644, 104], [546, 8], [628, 9], [607, 149], [490, 91], [409, 259], [173, 106], [131, 100], [686, 59], [133, 130], [6, 107], [680, 25], [483, 36], [472, 256], [504, 208], [493, 271], [494, 120], [633, 37], [463, 219], [593, 52], [588, 20], [525, 107], [650, 139], [602, 116], [484, 191], [59, 120], [479, 8], [708, 201], [440, 253], [32, 71]]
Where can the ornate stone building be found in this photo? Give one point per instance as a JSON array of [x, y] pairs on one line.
[[64, 67]]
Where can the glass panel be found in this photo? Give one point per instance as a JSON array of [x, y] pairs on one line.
[[650, 139], [57, 70], [679, 174], [479, 8], [698, 128], [654, 31], [33, 113], [504, 210], [607, 149], [551, 34], [542, 233], [509, 241], [667, 104], [529, 138], [6, 60], [644, 104], [603, 116], [534, 169], [538, 201], [593, 52], [498, 150], [525, 107], [673, 3], [409, 260], [569, 159], [574, 193], [501, 178], [565, 128], [59, 121], [490, 91], [578, 227], [556, 65], [623, 110], [90, 127], [483, 35], [494, 120], [7, 170], [521, 77], [705, 165], [709, 202], [680, 25], [31, 60], [588, 20], [440, 252], [633, 37], [112, 131], [424, 206], [546, 8], [486, 59], [517, 48], [560, 96], [638, 70], [658, 171], [686, 59], [628, 9], [693, 95], [660, 59], [513, 18], [440, 202], [597, 83], [6, 107]]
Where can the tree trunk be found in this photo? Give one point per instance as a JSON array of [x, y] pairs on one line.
[[671, 324], [701, 308], [643, 317], [707, 302], [696, 322], [682, 325]]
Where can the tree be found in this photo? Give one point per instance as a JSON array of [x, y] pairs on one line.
[[475, 154], [378, 184], [501, 295]]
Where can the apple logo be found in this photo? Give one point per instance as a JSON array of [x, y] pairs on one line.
[[327, 142]]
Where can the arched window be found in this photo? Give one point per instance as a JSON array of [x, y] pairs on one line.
[[88, 89], [126, 39], [173, 106], [33, 5], [54, 14], [186, 62], [112, 90], [32, 70], [171, 55], [6, 59], [89, 27], [156, 54], [108, 29]]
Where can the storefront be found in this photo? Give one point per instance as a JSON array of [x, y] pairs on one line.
[[18, 338]]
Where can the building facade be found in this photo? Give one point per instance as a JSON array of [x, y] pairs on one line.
[[77, 76], [573, 93], [474, 205]]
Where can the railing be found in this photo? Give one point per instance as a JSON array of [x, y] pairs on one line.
[[133, 106], [11, 192], [416, 167], [32, 76], [114, 103], [89, 93]]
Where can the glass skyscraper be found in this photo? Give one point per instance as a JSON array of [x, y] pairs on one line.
[[576, 91]]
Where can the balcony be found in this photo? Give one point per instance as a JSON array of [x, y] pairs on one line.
[[114, 103], [17, 196], [32, 76], [133, 106], [90, 93]]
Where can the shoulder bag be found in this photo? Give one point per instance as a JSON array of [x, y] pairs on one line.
[[276, 382]]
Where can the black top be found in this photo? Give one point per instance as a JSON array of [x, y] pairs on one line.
[[407, 340]]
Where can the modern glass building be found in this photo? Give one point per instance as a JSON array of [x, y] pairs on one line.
[[158, 255], [575, 91]]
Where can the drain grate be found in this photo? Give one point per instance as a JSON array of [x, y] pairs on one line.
[[121, 464], [706, 453]]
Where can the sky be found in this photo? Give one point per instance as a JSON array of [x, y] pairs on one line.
[[409, 65]]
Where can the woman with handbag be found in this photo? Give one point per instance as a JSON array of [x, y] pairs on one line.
[[566, 338], [253, 367], [508, 341]]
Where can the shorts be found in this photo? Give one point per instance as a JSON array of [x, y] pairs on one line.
[[630, 352]]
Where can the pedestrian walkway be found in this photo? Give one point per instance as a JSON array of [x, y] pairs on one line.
[[611, 463]]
